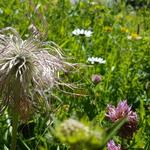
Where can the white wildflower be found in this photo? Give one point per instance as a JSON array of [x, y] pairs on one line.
[[82, 32], [99, 60], [112, 68]]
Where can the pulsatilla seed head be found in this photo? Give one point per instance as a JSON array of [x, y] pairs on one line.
[[26, 67]]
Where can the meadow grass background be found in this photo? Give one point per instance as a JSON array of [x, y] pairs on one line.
[[126, 74]]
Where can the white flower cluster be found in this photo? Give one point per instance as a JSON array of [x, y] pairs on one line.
[[70, 126], [99, 60], [83, 32]]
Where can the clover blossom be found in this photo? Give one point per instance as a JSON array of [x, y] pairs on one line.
[[82, 32], [96, 78], [123, 111], [112, 146]]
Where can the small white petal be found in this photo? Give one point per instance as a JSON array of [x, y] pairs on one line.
[[81, 31], [129, 37], [96, 60], [88, 33]]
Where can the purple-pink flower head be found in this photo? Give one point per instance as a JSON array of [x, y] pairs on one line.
[[112, 146], [121, 111], [96, 78]]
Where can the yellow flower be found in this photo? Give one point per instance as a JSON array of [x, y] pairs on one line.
[[124, 30], [66, 107], [119, 17], [108, 29], [134, 36]]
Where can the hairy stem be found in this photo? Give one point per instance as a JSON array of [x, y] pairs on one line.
[[14, 129]]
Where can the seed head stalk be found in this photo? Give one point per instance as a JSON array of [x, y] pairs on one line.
[[15, 115], [15, 119]]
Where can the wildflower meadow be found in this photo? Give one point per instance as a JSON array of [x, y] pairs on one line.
[[74, 75]]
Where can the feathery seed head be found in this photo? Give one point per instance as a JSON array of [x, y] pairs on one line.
[[26, 64]]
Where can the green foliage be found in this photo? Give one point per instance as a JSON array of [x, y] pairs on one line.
[[81, 137]]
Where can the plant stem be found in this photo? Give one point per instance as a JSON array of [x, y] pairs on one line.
[[14, 129]]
